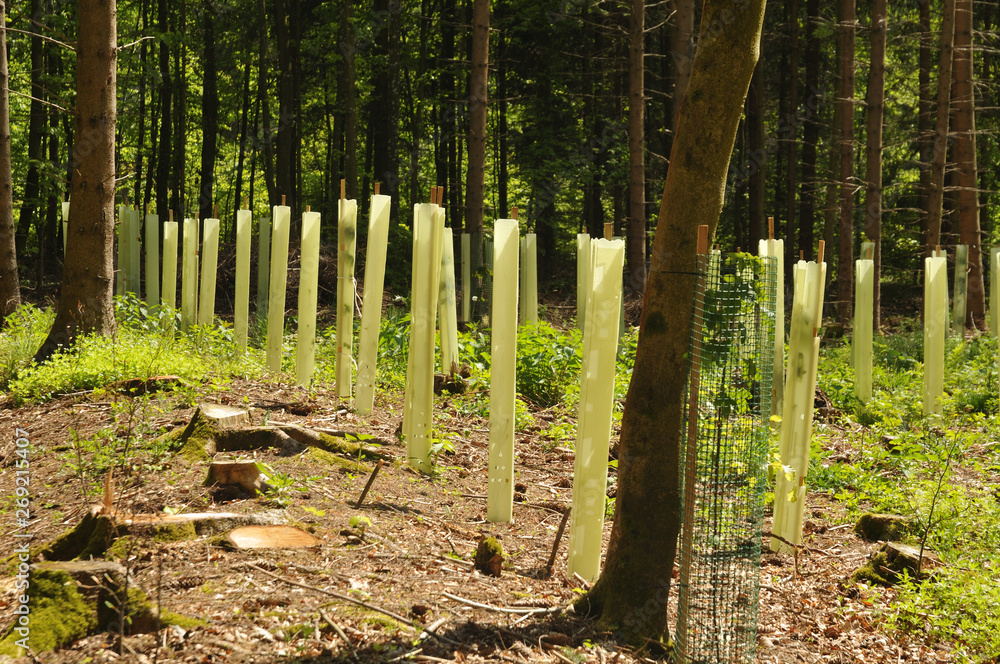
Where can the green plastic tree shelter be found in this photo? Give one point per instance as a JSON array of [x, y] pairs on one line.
[[597, 392], [263, 264], [347, 239], [189, 278], [152, 260], [371, 308], [724, 452], [209, 270], [861, 340], [447, 315], [995, 291], [305, 348], [800, 389], [466, 277], [959, 298], [65, 223], [418, 401], [582, 278], [503, 343], [241, 305], [278, 280], [528, 299], [168, 292], [935, 327], [776, 249], [122, 281]]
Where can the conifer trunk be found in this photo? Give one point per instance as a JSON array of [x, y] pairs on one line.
[[873, 146], [935, 199], [636, 148], [10, 291], [478, 88], [88, 275], [845, 98]]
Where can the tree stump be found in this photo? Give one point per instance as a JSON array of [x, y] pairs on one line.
[[270, 537]]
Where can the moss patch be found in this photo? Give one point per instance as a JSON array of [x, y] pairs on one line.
[[883, 527], [196, 441], [59, 615], [490, 556], [88, 539], [171, 618], [346, 465]]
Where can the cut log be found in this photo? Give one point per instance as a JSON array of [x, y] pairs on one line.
[[331, 443], [270, 537], [203, 524], [886, 566], [225, 416], [246, 474]]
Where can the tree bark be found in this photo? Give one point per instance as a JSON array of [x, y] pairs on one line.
[[478, 92], [178, 168], [790, 135], [347, 95], [935, 199], [682, 45], [965, 159], [166, 121], [88, 275], [924, 124], [633, 590], [809, 196], [756, 159], [209, 115], [873, 147], [36, 132], [263, 65], [845, 98], [637, 148], [10, 290], [284, 168]]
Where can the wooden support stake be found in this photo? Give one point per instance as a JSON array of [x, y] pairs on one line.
[[555, 545], [513, 213], [170, 215], [770, 228], [821, 251], [378, 187], [282, 199], [371, 480], [609, 231], [215, 211], [702, 239], [343, 189], [308, 208], [802, 254], [245, 203]]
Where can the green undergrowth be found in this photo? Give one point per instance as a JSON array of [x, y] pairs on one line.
[[138, 349], [940, 471]]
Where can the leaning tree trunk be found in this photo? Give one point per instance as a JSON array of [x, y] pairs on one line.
[[924, 126], [633, 589], [935, 198], [636, 148], [965, 159], [873, 147], [845, 253], [88, 275], [10, 292], [478, 87]]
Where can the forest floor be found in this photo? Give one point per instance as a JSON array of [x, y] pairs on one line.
[[268, 605]]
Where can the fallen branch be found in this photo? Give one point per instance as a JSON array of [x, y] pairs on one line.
[[555, 545], [371, 480], [502, 609]]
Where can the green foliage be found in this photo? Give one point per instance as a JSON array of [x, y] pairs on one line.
[[23, 333], [548, 363], [137, 350]]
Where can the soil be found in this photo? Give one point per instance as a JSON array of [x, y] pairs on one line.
[[409, 549]]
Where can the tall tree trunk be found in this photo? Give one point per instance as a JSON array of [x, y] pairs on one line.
[[88, 276], [284, 143], [478, 93], [924, 123], [242, 144], [166, 120], [683, 50], [965, 158], [209, 115], [791, 132], [347, 94], [873, 146], [36, 131], [140, 151], [633, 590], [636, 147], [935, 199], [809, 197], [756, 160], [263, 65], [178, 171], [845, 253], [10, 290]]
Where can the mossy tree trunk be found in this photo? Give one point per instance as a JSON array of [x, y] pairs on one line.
[[85, 299], [632, 592]]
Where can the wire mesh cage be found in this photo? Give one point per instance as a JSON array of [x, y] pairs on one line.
[[725, 457]]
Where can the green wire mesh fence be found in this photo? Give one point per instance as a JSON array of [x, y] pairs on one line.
[[725, 457]]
